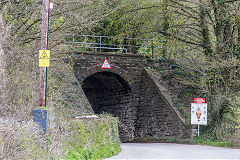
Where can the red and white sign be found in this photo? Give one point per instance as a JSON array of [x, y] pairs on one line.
[[199, 113], [106, 64], [199, 100]]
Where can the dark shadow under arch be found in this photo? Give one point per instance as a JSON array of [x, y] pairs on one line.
[[109, 92]]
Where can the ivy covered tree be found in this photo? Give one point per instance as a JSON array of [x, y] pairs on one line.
[[203, 39]]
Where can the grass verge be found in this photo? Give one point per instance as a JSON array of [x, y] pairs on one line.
[[197, 140], [100, 152], [95, 139]]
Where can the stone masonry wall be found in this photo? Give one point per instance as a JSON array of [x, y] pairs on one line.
[[114, 90], [123, 64], [155, 116], [128, 92]]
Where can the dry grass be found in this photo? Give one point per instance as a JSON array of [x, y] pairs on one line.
[[21, 140]]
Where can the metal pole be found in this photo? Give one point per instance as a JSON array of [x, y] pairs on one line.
[[144, 43], [198, 129], [152, 50], [168, 55], [73, 41], [100, 43], [44, 46]]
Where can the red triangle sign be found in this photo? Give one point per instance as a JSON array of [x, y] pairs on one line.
[[106, 64]]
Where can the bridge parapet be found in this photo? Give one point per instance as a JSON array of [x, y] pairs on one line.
[[127, 65]]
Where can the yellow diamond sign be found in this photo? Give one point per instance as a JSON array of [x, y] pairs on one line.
[[44, 58]]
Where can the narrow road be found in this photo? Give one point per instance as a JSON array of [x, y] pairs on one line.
[[147, 151]]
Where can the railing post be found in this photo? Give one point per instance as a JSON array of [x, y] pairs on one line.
[[144, 44], [152, 49], [100, 43], [73, 41], [168, 56]]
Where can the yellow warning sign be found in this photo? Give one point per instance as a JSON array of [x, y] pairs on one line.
[[44, 58]]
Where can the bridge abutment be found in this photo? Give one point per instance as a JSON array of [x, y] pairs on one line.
[[128, 92]]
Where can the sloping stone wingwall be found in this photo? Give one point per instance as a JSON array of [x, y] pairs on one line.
[[156, 117]]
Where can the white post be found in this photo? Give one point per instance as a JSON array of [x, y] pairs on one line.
[[198, 129]]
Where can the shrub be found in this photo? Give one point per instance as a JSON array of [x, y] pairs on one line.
[[93, 139]]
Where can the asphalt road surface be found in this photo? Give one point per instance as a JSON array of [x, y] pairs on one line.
[[134, 151]]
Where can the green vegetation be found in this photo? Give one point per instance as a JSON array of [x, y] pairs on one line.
[[100, 152], [202, 140], [66, 139], [202, 56], [221, 92], [95, 140]]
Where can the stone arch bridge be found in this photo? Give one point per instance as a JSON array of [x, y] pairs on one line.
[[127, 91]]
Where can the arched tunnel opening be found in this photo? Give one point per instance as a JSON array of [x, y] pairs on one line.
[[108, 92]]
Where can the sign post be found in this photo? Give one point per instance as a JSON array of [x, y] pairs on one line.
[[40, 115], [44, 46], [198, 133], [199, 112]]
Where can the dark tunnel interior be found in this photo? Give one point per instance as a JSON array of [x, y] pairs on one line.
[[108, 92]]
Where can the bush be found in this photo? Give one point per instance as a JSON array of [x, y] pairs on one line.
[[217, 80], [95, 139], [69, 139]]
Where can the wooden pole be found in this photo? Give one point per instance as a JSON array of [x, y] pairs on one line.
[[44, 46]]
